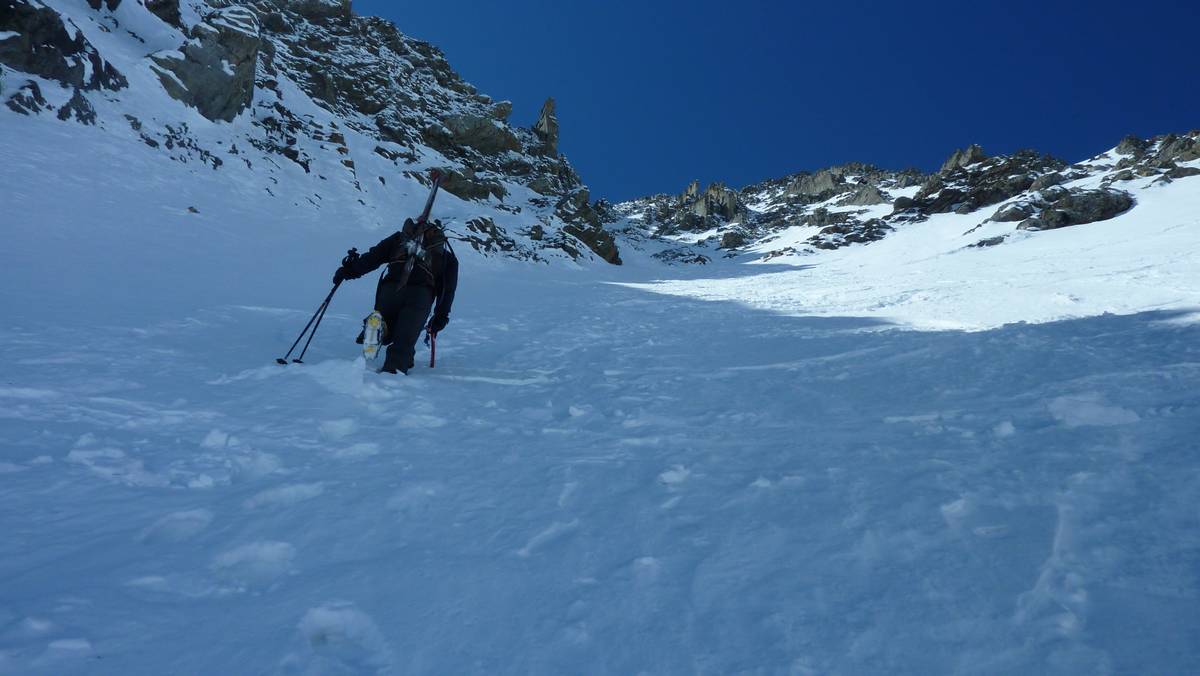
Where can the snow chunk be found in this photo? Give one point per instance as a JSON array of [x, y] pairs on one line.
[[674, 476], [215, 439], [337, 429], [342, 633], [285, 495], [256, 562], [1086, 410], [360, 450]]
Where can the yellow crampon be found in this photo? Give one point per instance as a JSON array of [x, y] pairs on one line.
[[373, 328]]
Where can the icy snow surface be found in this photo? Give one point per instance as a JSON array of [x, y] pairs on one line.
[[597, 478]]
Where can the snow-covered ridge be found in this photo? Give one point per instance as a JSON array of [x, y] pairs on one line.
[[1119, 233], [345, 111], [796, 217]]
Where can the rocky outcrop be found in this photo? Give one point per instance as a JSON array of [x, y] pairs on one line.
[[481, 133], [733, 239], [501, 110], [978, 184], [546, 127], [763, 209], [681, 255], [46, 46], [1132, 145], [717, 201], [483, 236], [1047, 180], [1059, 208], [364, 69], [963, 158], [214, 72], [599, 240], [584, 222], [1173, 148], [318, 9], [28, 100], [167, 10], [865, 195], [850, 232], [818, 186], [466, 184], [79, 108]]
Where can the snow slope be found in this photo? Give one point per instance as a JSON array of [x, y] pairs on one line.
[[645, 469], [595, 478], [925, 275]]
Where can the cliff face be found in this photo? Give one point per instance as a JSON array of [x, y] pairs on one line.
[[306, 84]]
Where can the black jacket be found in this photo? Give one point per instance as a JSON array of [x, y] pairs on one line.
[[435, 264]]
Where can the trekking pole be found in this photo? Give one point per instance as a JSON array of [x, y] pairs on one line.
[[300, 359], [320, 312]]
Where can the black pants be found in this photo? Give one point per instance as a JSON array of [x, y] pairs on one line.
[[405, 310]]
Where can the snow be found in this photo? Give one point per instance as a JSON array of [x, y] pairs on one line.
[[909, 192], [692, 237], [922, 276], [643, 469], [6, 35]]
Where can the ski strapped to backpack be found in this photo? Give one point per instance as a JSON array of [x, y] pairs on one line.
[[415, 247], [412, 247]]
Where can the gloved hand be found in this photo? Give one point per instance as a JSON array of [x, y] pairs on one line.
[[346, 271], [438, 322]]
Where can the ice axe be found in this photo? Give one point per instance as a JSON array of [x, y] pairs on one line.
[[431, 341]]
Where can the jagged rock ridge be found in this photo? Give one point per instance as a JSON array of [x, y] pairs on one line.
[[231, 60], [860, 203]]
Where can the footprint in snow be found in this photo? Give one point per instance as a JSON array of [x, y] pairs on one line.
[[339, 638], [414, 498], [257, 564]]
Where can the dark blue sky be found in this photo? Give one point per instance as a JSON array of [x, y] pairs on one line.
[[654, 93]]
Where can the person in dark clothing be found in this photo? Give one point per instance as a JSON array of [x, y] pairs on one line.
[[405, 303]]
